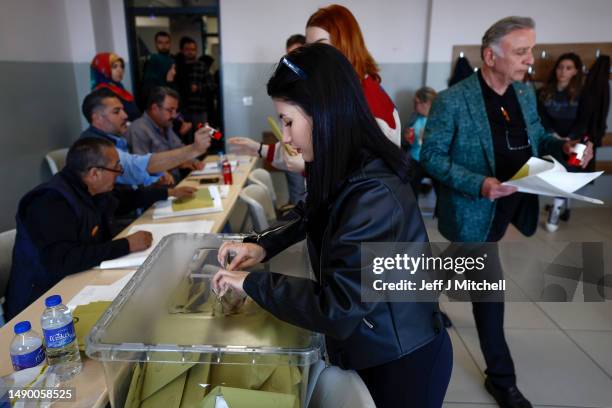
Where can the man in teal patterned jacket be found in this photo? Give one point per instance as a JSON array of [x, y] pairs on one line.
[[479, 134]]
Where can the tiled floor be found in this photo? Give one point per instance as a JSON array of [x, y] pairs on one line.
[[562, 351]]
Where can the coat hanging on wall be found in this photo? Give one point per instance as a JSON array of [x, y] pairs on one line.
[[595, 101], [462, 70]]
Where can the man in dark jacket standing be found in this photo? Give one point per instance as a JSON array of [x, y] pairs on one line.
[[64, 226]]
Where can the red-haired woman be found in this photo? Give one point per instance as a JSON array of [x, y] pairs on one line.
[[336, 25]]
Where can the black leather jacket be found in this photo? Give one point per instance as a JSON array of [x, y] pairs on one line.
[[373, 205]]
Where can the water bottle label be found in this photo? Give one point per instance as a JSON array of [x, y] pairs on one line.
[[31, 359], [60, 337]]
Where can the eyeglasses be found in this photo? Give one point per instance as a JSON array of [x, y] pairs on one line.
[[514, 133], [171, 111], [119, 171], [296, 70], [517, 134]]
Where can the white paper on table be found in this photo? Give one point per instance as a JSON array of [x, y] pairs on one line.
[[213, 168], [224, 190], [99, 293], [163, 209], [552, 179], [159, 231]]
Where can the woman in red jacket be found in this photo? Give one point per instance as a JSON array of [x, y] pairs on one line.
[[336, 25]]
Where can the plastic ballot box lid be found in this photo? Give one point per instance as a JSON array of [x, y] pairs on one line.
[[168, 313]]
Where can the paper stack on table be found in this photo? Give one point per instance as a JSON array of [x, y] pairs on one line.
[[159, 231], [97, 293], [213, 168], [165, 209], [547, 178]]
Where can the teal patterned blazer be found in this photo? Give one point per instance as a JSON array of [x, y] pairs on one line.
[[458, 152]]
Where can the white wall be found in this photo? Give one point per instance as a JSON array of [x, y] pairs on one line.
[[255, 31], [253, 35], [557, 21], [34, 31]]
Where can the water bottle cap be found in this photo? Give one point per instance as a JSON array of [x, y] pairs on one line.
[[22, 327], [53, 300]]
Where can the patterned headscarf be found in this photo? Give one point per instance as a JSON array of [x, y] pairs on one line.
[[101, 75]]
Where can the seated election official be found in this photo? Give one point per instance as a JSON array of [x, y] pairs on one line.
[[358, 191], [64, 226], [153, 133], [108, 120]]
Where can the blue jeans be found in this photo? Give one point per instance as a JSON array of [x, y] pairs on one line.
[[418, 379]]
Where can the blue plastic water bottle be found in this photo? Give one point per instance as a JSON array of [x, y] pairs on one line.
[[60, 339], [26, 348]]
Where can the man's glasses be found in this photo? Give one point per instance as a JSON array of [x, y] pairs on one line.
[[517, 134], [514, 134], [117, 171], [171, 111]]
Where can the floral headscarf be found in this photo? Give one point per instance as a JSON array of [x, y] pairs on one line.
[[101, 75]]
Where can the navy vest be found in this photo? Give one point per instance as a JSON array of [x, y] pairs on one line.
[[29, 279]]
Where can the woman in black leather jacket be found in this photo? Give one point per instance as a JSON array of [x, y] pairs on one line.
[[358, 191]]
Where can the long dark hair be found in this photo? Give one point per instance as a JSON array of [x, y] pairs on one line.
[[322, 82], [575, 85]]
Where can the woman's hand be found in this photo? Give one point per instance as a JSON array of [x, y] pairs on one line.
[[224, 280], [243, 145], [295, 163], [245, 255]]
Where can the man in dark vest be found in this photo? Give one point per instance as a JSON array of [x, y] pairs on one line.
[[64, 226]]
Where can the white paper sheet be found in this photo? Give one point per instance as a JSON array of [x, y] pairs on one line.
[[99, 293], [163, 209], [159, 231], [552, 179], [213, 168]]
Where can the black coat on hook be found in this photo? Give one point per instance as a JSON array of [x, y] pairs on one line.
[[595, 101]]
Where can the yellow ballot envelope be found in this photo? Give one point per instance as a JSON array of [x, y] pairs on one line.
[[240, 398], [201, 199]]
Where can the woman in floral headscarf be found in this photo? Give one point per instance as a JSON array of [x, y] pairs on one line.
[[107, 72]]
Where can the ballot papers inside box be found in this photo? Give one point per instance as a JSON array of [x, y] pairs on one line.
[[169, 341]]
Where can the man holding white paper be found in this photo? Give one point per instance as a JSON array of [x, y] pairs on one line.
[[479, 134], [482, 131]]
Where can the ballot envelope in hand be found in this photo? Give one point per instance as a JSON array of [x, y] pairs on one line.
[[550, 178]]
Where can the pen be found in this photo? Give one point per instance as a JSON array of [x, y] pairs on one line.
[[505, 114]]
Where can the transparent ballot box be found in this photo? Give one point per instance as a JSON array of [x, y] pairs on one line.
[[168, 341]]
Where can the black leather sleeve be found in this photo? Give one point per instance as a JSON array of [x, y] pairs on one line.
[[280, 237], [369, 213]]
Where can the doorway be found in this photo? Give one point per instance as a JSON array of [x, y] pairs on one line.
[[196, 19]]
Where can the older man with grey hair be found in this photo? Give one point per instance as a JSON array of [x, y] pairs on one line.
[[479, 133]]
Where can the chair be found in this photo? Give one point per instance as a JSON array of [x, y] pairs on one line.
[[260, 206], [337, 388], [56, 159], [263, 178], [7, 241]]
